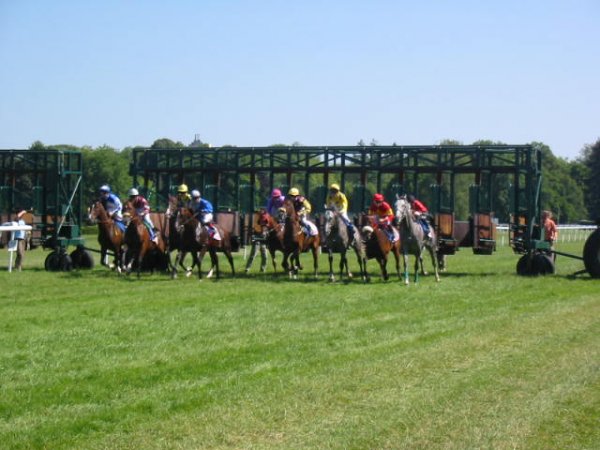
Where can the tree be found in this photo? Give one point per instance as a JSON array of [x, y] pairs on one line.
[[590, 158], [166, 144]]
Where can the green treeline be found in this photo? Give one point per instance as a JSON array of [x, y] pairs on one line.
[[571, 188]]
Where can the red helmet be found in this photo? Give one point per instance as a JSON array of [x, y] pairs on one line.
[[276, 193], [378, 198]]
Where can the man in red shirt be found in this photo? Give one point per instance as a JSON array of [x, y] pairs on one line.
[[383, 215], [420, 213]]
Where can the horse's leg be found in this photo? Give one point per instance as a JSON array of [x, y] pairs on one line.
[[104, 256], [418, 259], [178, 259], [253, 251], [263, 257], [200, 257], [383, 265], [434, 261], [330, 257], [229, 257], [315, 253], [396, 251], [405, 257]]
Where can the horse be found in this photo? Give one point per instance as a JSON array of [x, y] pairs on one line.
[[414, 240], [269, 236], [175, 240], [295, 242], [378, 245], [205, 241], [337, 240], [140, 246], [110, 235]]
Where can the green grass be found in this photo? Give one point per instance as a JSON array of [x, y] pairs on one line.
[[484, 359]]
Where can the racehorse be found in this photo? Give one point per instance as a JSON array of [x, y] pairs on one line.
[[414, 240], [176, 240], [337, 240], [140, 246], [204, 241], [269, 235], [379, 246], [295, 241], [110, 235]]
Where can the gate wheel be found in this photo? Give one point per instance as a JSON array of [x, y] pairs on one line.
[[82, 259], [538, 264], [52, 262], [591, 254]]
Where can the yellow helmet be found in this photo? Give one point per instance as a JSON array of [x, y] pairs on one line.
[[182, 189], [335, 187], [294, 191]]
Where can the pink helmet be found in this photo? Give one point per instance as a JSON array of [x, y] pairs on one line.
[[378, 198], [276, 193]]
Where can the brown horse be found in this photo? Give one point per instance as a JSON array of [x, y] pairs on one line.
[[177, 240], [140, 248], [295, 241], [110, 235], [270, 232], [379, 246], [205, 241]]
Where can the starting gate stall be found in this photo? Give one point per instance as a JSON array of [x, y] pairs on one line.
[[47, 183], [238, 180]]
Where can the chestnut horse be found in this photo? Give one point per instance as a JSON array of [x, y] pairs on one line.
[[110, 235], [295, 241], [378, 246], [270, 233]]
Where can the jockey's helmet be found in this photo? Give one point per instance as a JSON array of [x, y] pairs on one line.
[[410, 198], [182, 189], [294, 191], [334, 187], [105, 188], [378, 198], [276, 193], [195, 193], [132, 192]]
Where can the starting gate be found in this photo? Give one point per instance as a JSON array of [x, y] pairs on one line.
[[241, 178], [48, 184]]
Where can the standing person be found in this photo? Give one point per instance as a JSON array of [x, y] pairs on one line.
[[20, 237], [111, 202], [550, 230], [275, 202], [303, 208], [337, 201], [142, 209], [383, 214], [420, 213], [203, 210]]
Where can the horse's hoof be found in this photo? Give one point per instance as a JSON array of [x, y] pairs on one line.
[[210, 273], [173, 276], [188, 273]]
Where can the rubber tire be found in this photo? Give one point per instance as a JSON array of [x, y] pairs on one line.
[[82, 259], [522, 266], [65, 263], [591, 254], [542, 264], [52, 262]]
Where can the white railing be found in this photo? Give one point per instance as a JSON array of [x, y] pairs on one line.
[[566, 233]]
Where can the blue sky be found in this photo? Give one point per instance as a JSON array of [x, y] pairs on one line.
[[252, 73]]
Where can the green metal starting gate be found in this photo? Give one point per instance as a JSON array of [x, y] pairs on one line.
[[48, 184]]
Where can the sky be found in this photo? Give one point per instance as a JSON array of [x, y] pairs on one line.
[[256, 73]]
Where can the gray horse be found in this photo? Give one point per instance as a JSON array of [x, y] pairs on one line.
[[414, 240], [337, 240]]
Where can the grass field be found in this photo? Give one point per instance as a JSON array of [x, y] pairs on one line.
[[484, 359]]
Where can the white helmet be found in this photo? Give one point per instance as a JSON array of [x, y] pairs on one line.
[[133, 191], [195, 193], [105, 188]]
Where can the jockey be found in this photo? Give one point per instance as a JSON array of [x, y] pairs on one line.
[[337, 201], [275, 202], [203, 210], [142, 209], [303, 208], [420, 213], [383, 215], [183, 197], [112, 204]]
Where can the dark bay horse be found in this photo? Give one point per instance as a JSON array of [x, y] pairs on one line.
[[176, 240], [337, 240], [110, 235], [414, 240], [379, 246], [204, 241], [140, 248], [295, 241]]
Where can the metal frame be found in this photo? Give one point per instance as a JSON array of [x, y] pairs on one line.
[[47, 182], [240, 178]]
